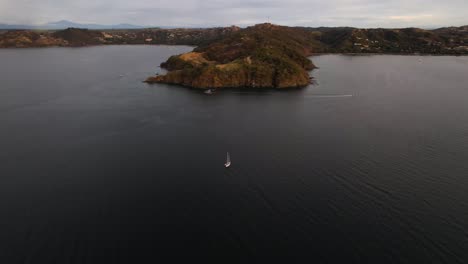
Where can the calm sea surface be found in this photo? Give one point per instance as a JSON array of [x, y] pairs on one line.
[[368, 165]]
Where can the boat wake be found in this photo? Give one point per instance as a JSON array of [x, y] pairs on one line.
[[329, 96]]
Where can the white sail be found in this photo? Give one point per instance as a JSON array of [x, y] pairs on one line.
[[228, 160]]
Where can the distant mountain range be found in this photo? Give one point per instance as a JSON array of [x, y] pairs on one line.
[[63, 24]]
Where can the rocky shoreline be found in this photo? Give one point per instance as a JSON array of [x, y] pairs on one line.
[[261, 56]]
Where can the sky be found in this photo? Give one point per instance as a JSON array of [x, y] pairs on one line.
[[206, 13]]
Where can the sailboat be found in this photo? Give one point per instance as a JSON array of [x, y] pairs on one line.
[[228, 161], [209, 91]]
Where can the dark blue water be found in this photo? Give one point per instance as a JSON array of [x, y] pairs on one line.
[[367, 166]]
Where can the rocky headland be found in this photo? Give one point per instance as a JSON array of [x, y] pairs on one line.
[[262, 56]]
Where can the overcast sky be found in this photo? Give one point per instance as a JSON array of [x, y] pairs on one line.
[[357, 13]]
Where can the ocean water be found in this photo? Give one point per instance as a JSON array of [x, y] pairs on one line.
[[366, 165]]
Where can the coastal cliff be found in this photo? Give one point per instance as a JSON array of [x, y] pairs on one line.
[[262, 56]]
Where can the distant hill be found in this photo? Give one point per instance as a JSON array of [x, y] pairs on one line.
[[24, 38], [449, 40], [68, 24], [11, 27], [63, 24]]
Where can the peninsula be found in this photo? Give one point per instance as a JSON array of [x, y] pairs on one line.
[[262, 56]]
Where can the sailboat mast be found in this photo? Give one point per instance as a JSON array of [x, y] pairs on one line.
[[228, 161]]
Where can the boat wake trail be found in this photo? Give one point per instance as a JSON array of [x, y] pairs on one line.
[[329, 96]]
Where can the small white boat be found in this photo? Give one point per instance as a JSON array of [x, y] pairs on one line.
[[209, 91], [228, 161]]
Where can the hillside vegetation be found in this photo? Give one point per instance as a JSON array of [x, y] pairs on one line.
[[406, 40], [450, 40], [259, 57]]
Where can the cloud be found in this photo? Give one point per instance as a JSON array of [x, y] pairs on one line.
[[411, 18], [358, 13]]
